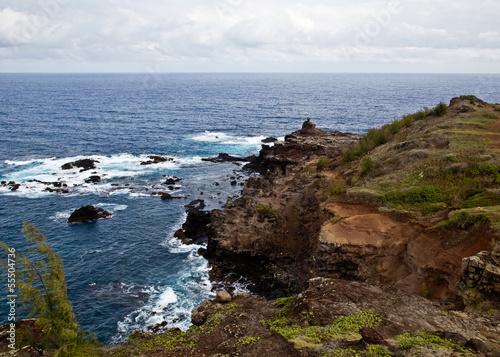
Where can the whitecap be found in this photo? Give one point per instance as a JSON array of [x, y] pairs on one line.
[[60, 216], [211, 137], [225, 139], [42, 177], [112, 207]]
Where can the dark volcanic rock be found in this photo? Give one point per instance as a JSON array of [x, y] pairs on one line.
[[299, 146], [84, 164], [155, 159], [93, 179], [167, 196], [172, 181], [269, 140], [222, 157], [88, 214], [15, 187], [196, 226]]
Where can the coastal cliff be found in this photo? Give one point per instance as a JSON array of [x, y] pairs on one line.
[[385, 244], [404, 216]]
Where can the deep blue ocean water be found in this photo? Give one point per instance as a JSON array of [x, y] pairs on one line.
[[128, 272]]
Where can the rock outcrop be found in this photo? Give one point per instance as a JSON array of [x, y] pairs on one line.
[[297, 221], [155, 159], [223, 157], [195, 229], [84, 165], [304, 144], [329, 316], [88, 214]]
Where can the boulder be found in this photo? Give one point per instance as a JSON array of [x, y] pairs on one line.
[[223, 297], [84, 164], [88, 214], [93, 179], [155, 159]]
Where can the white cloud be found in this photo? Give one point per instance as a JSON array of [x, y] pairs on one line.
[[246, 35]]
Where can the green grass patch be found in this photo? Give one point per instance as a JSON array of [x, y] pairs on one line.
[[416, 195], [378, 136], [342, 327], [269, 213], [482, 199], [282, 302], [416, 340]]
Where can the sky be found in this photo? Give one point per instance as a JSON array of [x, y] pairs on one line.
[[163, 36]]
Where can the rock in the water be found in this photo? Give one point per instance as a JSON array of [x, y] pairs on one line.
[[155, 159], [84, 164], [88, 214], [93, 179], [196, 226], [167, 196], [171, 181], [223, 297], [269, 140], [223, 157]]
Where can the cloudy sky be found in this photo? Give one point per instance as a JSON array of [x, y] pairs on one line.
[[458, 36]]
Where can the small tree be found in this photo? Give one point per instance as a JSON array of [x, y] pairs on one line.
[[43, 295], [367, 164]]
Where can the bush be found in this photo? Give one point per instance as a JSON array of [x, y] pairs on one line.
[[322, 164], [337, 187], [465, 220], [367, 164], [420, 115], [416, 195], [440, 109]]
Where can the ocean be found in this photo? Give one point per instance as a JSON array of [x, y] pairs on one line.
[[128, 272]]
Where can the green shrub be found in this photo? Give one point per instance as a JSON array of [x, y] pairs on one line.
[[415, 195], [420, 115], [482, 199], [465, 220], [440, 109], [367, 165], [322, 164], [337, 187]]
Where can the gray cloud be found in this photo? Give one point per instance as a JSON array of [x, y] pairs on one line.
[[257, 35]]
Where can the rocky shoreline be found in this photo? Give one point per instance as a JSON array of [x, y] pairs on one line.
[[391, 251], [292, 225]]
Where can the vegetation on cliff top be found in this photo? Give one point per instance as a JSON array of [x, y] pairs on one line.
[[447, 158]]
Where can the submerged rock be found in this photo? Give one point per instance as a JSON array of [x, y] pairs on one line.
[[88, 214]]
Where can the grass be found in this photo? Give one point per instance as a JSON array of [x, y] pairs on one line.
[[345, 327], [269, 213], [378, 136], [416, 340], [466, 218]]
